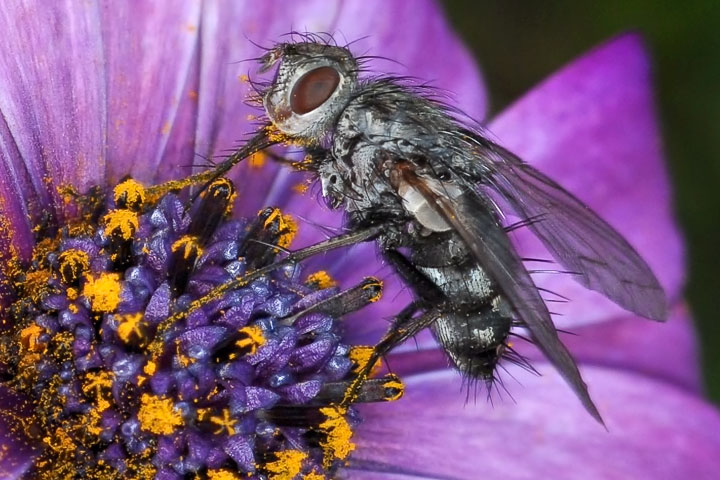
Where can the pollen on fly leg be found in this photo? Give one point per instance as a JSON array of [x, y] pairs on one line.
[[155, 334]]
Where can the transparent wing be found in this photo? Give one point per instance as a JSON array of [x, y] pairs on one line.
[[491, 247], [577, 237]]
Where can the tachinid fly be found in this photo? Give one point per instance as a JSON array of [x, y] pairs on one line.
[[431, 192]]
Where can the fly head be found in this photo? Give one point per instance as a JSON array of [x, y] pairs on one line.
[[313, 84]]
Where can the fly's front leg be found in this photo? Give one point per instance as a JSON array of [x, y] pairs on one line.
[[344, 240]]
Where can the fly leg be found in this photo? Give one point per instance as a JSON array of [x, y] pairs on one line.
[[404, 326], [344, 240]]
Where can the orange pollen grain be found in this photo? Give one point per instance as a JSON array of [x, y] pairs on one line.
[[338, 443], [321, 279], [188, 244], [221, 475], [287, 466], [131, 191], [360, 355], [289, 228], [30, 338], [253, 338], [103, 291], [225, 423], [36, 284], [257, 160], [150, 368], [300, 188], [75, 260], [314, 476], [122, 222], [130, 325], [158, 415]]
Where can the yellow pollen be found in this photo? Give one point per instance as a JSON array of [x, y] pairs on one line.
[[321, 279], [360, 355], [338, 444], [94, 418], [225, 423], [158, 415], [96, 382], [60, 441], [394, 383], [300, 188], [188, 244], [103, 292], [287, 466], [276, 135], [304, 164], [375, 283], [253, 339], [290, 228], [131, 192], [130, 325], [122, 222], [314, 476], [221, 475], [72, 294], [73, 263], [287, 227], [257, 160], [30, 338], [150, 368], [36, 284], [220, 187]]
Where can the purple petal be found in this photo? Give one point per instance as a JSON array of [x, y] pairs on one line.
[[592, 127], [655, 431], [16, 456], [149, 53], [667, 351], [52, 101]]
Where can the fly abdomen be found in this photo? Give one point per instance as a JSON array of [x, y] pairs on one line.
[[475, 320], [445, 261], [475, 340]]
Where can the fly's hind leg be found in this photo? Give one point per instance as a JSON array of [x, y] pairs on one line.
[[404, 326]]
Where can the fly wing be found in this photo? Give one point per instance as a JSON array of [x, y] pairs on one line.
[[577, 237], [486, 238]]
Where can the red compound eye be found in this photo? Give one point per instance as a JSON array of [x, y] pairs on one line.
[[313, 89]]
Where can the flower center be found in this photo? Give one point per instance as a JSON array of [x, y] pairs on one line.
[[246, 384]]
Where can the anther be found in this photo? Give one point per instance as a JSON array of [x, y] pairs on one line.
[[206, 215], [72, 266], [129, 195], [270, 229]]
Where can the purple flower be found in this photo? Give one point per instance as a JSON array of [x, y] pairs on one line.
[[92, 93]]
